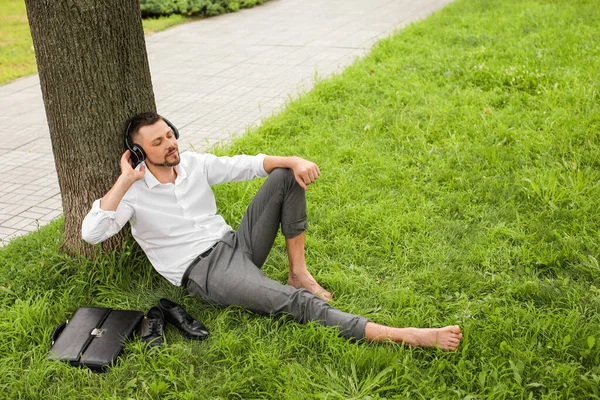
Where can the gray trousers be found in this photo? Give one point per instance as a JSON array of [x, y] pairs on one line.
[[231, 274]]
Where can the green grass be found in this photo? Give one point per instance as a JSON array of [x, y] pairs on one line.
[[153, 25], [17, 57], [460, 184]]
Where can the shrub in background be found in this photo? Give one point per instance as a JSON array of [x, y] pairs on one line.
[[157, 8]]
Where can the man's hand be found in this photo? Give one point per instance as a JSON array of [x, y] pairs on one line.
[[128, 176], [127, 169], [305, 172]]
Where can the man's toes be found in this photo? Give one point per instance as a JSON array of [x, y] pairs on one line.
[[449, 346], [455, 329], [450, 337]]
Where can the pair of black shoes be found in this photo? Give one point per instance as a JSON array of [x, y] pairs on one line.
[[173, 313]]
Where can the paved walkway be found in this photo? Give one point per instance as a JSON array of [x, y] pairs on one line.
[[212, 78]]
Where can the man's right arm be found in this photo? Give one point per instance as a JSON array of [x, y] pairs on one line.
[[106, 218]]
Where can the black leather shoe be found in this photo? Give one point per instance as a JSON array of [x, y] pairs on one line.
[[152, 327], [177, 316]]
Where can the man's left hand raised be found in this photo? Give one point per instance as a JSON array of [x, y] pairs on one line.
[[305, 172]]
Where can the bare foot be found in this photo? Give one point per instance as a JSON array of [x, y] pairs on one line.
[[304, 280], [446, 338]]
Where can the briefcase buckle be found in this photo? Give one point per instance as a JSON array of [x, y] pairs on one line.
[[98, 332]]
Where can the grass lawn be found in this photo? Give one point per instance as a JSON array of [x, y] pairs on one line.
[[17, 57], [460, 185]]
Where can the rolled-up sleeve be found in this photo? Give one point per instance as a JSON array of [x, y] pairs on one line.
[[98, 225], [233, 169]]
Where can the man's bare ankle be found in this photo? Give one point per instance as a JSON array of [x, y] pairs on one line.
[[304, 280], [298, 270]]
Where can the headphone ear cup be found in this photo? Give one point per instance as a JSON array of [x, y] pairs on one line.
[[173, 128], [137, 154], [126, 144]]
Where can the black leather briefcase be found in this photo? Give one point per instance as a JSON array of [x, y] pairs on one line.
[[94, 337]]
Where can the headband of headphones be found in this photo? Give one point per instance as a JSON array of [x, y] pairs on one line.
[[137, 153]]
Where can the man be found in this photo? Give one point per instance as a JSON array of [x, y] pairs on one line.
[[172, 211]]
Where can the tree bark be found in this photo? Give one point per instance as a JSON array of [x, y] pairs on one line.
[[94, 75]]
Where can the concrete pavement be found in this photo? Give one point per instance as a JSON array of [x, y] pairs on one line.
[[212, 78]]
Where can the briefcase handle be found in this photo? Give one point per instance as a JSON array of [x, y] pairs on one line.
[[58, 330]]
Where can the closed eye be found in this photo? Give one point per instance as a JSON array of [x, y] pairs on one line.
[[158, 141]]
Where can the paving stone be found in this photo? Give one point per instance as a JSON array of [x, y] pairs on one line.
[[39, 210], [13, 222], [6, 239], [33, 226], [31, 215], [24, 222], [51, 215], [12, 209], [4, 231]]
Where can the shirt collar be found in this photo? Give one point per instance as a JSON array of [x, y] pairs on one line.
[[181, 174], [151, 180]]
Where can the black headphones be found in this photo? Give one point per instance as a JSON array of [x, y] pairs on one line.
[[137, 153]]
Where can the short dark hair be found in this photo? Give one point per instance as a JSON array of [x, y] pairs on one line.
[[140, 120]]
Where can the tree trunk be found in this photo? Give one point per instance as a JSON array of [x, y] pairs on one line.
[[94, 75]]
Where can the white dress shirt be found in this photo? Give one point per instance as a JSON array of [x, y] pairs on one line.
[[174, 223]]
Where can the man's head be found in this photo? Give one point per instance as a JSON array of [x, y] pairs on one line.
[[153, 139]]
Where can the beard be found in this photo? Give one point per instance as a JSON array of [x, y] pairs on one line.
[[165, 163]]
